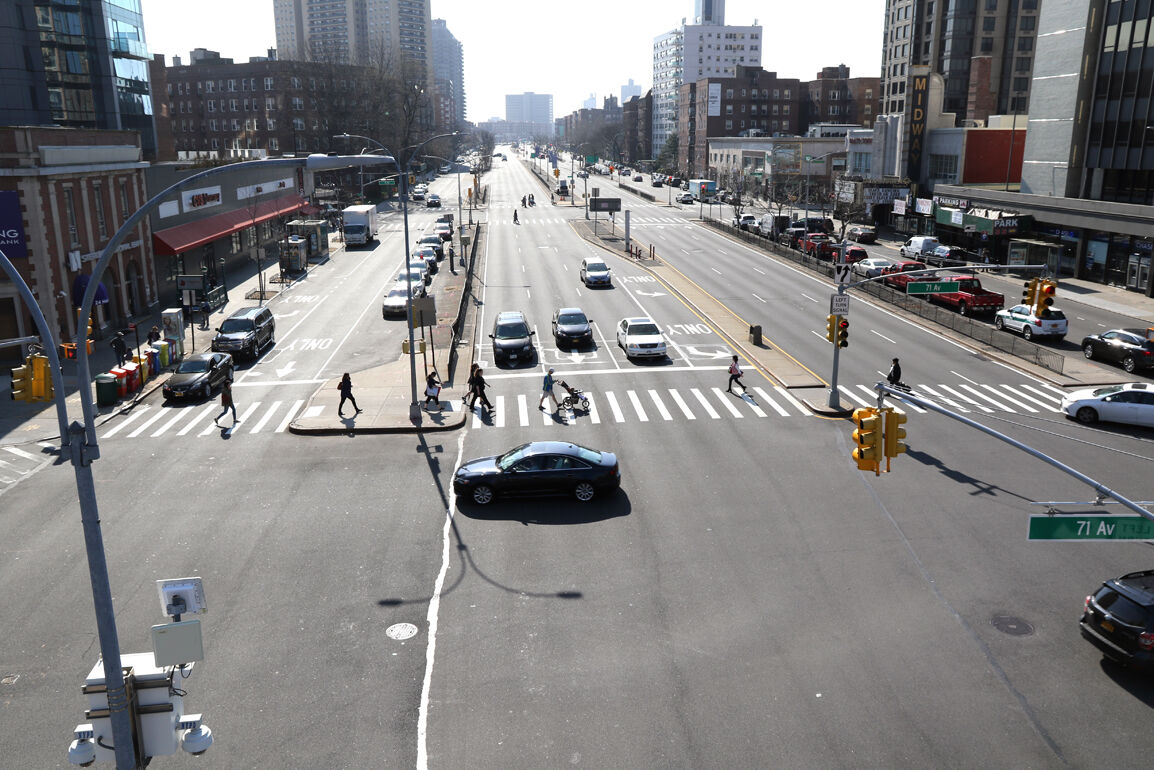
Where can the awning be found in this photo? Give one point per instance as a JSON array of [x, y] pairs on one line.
[[182, 238]]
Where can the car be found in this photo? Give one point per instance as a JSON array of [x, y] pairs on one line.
[[895, 278], [1132, 404], [198, 375], [434, 242], [247, 331], [918, 246], [512, 338], [744, 222], [1022, 319], [640, 338], [862, 234], [429, 256], [594, 272], [415, 279], [1129, 347], [582, 174], [872, 267], [433, 201], [417, 194], [685, 198], [572, 327], [446, 168], [656, 182], [638, 178], [1118, 619], [444, 231], [853, 254], [949, 256], [396, 302], [536, 469]]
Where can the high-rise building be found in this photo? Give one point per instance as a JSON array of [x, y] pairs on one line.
[[533, 112], [449, 68], [76, 65], [629, 90], [706, 49], [983, 49], [367, 32]]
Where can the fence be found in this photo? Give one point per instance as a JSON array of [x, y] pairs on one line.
[[466, 298], [981, 331]]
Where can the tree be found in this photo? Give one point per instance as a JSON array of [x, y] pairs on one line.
[[667, 158]]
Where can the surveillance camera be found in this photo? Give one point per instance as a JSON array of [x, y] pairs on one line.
[[196, 738], [82, 751]]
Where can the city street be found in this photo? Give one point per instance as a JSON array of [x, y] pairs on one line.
[[747, 599]]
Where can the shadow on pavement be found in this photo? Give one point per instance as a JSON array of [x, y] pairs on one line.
[[550, 511]]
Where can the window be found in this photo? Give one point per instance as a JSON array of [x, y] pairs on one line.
[[943, 167], [273, 144], [124, 199], [231, 85], [246, 105], [298, 103], [729, 93], [236, 242], [1022, 64], [70, 212], [1021, 84], [235, 124], [989, 23], [270, 124], [987, 45], [98, 207], [268, 84], [1028, 23], [298, 125], [212, 105], [1025, 44], [232, 105], [991, 5]]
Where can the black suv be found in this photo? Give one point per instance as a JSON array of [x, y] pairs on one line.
[[1118, 619], [512, 338]]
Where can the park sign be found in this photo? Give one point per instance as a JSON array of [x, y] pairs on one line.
[[931, 287], [1076, 529]]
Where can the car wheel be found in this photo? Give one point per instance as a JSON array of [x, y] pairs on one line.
[[999, 324], [483, 494], [1088, 351], [1087, 415], [584, 491], [1129, 364], [1027, 333], [962, 308]]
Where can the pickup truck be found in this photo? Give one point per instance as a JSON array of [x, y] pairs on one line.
[[819, 246], [745, 222], [970, 296], [898, 277]]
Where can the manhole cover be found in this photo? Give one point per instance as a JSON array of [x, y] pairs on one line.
[[1008, 624], [401, 631]]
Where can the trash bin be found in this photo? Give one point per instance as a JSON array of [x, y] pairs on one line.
[[107, 389], [755, 335], [162, 351], [142, 372], [153, 361], [131, 378]]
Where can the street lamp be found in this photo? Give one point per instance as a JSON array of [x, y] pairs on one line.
[[403, 173]]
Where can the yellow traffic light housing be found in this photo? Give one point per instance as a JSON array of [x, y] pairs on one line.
[[1045, 296], [42, 389], [21, 382], [842, 332], [894, 445], [1030, 295], [868, 437], [831, 328]]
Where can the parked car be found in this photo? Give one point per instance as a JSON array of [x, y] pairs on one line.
[[1132, 404], [862, 234], [745, 222], [433, 201], [854, 254], [396, 302], [872, 267], [247, 331], [919, 246], [536, 469], [417, 263], [818, 245], [640, 338], [444, 231], [791, 237], [594, 272], [198, 375], [1118, 619], [949, 256], [1129, 347], [512, 338], [433, 241], [429, 256], [897, 278], [1021, 319], [571, 327], [415, 281]]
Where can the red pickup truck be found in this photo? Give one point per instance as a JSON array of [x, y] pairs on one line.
[[897, 277], [970, 296], [819, 245]]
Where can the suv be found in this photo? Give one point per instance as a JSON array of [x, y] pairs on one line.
[[1118, 619], [246, 331], [512, 338]]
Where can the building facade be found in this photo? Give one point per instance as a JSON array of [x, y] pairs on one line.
[[834, 97], [532, 110], [77, 65], [449, 72], [637, 126]]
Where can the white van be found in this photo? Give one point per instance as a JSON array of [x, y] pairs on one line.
[[918, 246]]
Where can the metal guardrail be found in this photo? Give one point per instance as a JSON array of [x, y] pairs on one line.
[[466, 298], [978, 330]]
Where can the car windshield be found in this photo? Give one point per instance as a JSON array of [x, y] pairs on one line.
[[193, 366], [234, 325], [512, 331], [596, 267], [1107, 390], [572, 319], [431, 239], [412, 275], [644, 329], [398, 294], [505, 461]]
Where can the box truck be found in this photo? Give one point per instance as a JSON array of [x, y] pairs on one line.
[[703, 189], [360, 224]]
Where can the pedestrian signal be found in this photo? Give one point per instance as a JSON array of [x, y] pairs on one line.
[[868, 439], [842, 332], [894, 445], [831, 328]]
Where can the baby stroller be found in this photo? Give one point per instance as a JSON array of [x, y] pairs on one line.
[[573, 397]]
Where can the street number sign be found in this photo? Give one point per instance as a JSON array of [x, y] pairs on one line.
[[931, 287], [1073, 529], [839, 304]]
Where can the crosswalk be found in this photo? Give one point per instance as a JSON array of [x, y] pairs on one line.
[[19, 462], [530, 219], [155, 421]]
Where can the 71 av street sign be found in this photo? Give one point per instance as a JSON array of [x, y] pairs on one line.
[[1070, 529], [931, 287]]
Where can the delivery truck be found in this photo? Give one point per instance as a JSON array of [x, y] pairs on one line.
[[360, 224], [703, 189]]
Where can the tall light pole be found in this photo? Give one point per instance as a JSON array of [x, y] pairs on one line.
[[403, 166]]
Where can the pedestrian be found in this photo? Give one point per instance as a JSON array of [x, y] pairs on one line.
[[227, 403], [346, 389], [472, 384], [433, 390], [153, 335], [479, 389], [895, 374], [735, 375], [120, 348], [547, 391]]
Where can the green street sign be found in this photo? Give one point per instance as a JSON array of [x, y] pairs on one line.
[[1072, 529], [387, 182], [931, 287]]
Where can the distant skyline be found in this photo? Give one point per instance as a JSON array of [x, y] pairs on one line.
[[511, 51]]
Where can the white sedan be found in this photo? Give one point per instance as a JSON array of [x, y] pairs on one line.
[[1021, 319], [640, 338], [396, 302], [1132, 403], [872, 267]]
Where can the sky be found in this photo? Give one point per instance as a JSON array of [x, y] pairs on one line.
[[511, 50]]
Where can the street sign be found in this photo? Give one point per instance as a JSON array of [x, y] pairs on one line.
[[605, 204], [190, 282], [841, 272], [387, 182], [839, 304], [1072, 529], [931, 287]]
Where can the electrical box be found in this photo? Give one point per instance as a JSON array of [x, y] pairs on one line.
[[174, 644], [157, 705]]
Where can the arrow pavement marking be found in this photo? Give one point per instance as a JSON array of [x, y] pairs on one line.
[[280, 373], [651, 293]]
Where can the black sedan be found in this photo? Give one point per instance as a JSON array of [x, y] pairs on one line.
[[1129, 347], [571, 327], [537, 469], [198, 376]]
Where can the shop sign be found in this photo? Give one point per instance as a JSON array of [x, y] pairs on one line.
[[917, 105], [12, 241], [899, 206], [877, 195], [1013, 225], [198, 200], [957, 217], [924, 206], [952, 203]]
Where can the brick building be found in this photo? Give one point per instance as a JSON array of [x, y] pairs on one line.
[[834, 97], [637, 123]]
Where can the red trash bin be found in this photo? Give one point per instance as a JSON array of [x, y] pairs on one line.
[[153, 361], [132, 376], [121, 380]]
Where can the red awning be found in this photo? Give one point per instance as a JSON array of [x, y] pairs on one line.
[[182, 238]]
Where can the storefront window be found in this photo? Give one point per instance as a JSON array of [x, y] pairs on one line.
[[1096, 249]]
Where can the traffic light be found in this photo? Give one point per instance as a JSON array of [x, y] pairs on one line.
[[22, 382], [842, 332], [42, 389], [1045, 296], [831, 328], [868, 437], [894, 435], [556, 173], [1030, 295]]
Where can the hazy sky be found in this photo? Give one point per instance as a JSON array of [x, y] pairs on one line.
[[513, 46]]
